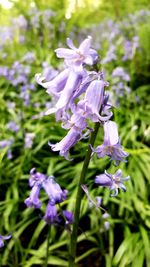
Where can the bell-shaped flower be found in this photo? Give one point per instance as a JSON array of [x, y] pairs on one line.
[[54, 191], [36, 178], [93, 101], [69, 217], [56, 85], [67, 142], [111, 146], [33, 199], [120, 72], [77, 120], [51, 216], [112, 181], [66, 96], [3, 238], [76, 57]]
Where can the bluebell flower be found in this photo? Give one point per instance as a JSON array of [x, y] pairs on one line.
[[33, 199], [35, 181], [66, 143], [13, 126], [36, 178], [4, 143], [54, 191], [93, 102], [112, 181], [111, 146], [69, 217], [121, 73], [3, 238], [51, 215], [56, 85], [75, 57], [29, 137]]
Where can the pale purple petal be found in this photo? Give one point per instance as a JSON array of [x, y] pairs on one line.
[[103, 180], [33, 200], [70, 44], [51, 214], [65, 53], [111, 136]]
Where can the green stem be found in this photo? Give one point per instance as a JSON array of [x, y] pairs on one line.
[[47, 247], [73, 242]]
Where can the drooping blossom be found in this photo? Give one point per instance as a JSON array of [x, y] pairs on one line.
[[12, 126], [67, 142], [29, 137], [54, 191], [112, 181], [93, 102], [39, 181], [35, 182], [33, 199], [56, 85], [120, 72], [69, 217], [111, 146], [6, 143], [51, 215], [36, 177], [3, 238]]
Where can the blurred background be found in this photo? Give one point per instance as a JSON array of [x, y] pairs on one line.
[[30, 31]]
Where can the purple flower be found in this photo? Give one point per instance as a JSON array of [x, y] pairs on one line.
[[54, 191], [13, 126], [51, 214], [33, 200], [75, 57], [120, 72], [29, 57], [111, 146], [56, 85], [48, 72], [110, 55], [93, 101], [36, 178], [29, 137], [69, 217], [5, 143], [77, 121], [38, 181], [112, 181], [2, 238], [73, 82], [9, 154], [66, 96], [67, 142], [35, 181]]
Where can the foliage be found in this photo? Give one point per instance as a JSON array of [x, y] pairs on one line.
[[126, 243]]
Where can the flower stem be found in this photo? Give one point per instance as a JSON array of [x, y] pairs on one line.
[[47, 247], [73, 242]]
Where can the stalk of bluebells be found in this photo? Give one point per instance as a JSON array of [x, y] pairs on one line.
[[79, 98]]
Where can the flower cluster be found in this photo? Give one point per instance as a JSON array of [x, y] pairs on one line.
[[79, 96], [55, 195]]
